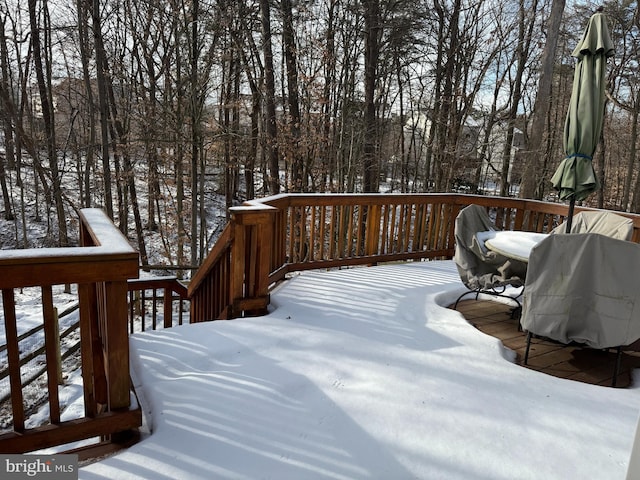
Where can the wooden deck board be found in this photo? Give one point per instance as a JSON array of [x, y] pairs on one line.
[[564, 361]]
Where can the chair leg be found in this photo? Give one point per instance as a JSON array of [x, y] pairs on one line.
[[616, 368], [526, 352], [455, 305], [493, 292]]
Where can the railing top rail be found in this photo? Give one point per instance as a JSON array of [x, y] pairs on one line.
[[108, 241], [171, 283], [53, 255], [103, 232], [298, 199], [221, 246], [111, 258], [382, 198]]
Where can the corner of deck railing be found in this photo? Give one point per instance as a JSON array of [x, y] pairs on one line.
[[252, 213], [252, 252], [100, 268]]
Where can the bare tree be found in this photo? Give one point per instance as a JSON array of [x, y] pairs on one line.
[[7, 122], [531, 179], [624, 95], [293, 141], [103, 102], [271, 140], [84, 46], [521, 57], [46, 104], [372, 22]]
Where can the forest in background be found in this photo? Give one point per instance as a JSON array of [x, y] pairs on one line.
[[153, 109]]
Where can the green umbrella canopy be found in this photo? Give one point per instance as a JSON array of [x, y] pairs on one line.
[[575, 178]]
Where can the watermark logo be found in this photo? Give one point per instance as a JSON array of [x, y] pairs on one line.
[[52, 467]]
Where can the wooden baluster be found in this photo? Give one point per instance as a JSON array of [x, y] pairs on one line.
[[168, 307], [312, 236], [372, 233], [407, 228], [154, 308], [332, 232], [52, 345], [302, 234], [350, 213], [13, 357], [323, 240], [116, 344], [88, 327], [384, 225]]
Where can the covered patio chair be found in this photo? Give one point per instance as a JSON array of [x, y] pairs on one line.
[[583, 288], [606, 223], [482, 270]]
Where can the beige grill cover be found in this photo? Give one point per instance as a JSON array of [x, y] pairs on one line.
[[584, 288]]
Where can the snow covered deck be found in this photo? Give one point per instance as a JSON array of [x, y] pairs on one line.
[[362, 373]]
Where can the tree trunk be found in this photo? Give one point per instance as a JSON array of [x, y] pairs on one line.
[[8, 209], [252, 155], [271, 130], [524, 40], [534, 153], [293, 144], [231, 128], [6, 123], [179, 157], [372, 22], [101, 60], [88, 90], [44, 88], [195, 131], [632, 161]]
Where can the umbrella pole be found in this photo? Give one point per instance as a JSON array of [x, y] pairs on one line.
[[572, 204]]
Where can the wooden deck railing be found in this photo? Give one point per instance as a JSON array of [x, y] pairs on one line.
[[265, 240], [268, 238], [234, 278], [146, 295], [100, 268], [30, 358]]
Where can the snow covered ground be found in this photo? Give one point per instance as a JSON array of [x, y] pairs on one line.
[[361, 373]]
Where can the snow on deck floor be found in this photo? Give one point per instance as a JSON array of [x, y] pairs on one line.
[[361, 373]]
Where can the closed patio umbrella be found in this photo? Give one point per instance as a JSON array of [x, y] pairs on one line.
[[575, 177]]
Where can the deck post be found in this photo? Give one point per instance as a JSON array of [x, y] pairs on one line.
[[106, 321], [251, 259], [115, 342]]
